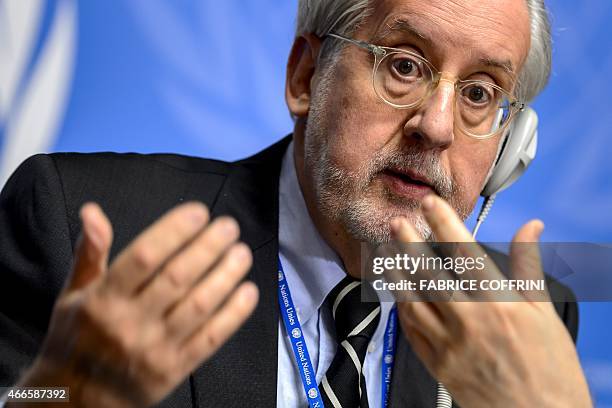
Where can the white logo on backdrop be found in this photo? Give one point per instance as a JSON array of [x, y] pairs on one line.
[[34, 88]]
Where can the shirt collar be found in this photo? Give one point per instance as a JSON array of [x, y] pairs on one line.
[[312, 268]]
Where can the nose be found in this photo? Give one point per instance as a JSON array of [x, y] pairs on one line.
[[432, 124]]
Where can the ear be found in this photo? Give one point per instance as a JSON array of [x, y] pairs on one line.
[[300, 72]]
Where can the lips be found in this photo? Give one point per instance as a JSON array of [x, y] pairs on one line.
[[410, 176], [407, 183]]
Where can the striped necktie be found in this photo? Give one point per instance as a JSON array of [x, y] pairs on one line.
[[343, 385]]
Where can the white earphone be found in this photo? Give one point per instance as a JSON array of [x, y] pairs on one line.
[[518, 150]]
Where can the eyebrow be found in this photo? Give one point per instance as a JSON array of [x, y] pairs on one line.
[[402, 24], [505, 65]]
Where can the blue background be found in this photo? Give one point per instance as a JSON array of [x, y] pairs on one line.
[[206, 78]]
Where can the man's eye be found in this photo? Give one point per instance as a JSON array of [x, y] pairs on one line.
[[406, 67], [477, 94]]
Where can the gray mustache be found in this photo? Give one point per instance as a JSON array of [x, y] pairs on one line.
[[425, 163]]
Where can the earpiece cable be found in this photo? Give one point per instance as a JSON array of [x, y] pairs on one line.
[[484, 211]]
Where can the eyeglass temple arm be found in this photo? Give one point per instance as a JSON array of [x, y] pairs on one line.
[[370, 47]]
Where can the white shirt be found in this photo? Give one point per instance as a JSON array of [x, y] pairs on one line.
[[312, 270]]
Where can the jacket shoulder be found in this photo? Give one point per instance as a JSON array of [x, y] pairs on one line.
[[100, 162], [133, 189]]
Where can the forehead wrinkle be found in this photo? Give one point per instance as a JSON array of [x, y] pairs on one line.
[[421, 25]]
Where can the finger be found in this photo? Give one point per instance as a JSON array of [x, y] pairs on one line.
[[188, 265], [210, 293], [136, 263], [427, 318], [217, 330], [403, 230], [447, 227], [444, 221], [94, 244], [414, 243], [530, 232], [416, 247], [525, 261], [420, 343], [404, 233]]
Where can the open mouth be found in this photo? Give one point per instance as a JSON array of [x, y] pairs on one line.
[[407, 183], [407, 177]]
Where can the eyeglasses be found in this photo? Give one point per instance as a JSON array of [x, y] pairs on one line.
[[404, 80]]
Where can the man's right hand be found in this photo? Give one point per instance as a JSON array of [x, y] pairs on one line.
[[129, 333]]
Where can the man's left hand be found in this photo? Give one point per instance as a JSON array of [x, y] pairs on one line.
[[491, 353]]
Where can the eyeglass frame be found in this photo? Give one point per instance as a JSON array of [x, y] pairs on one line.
[[380, 52]]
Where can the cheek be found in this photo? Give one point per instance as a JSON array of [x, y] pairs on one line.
[[470, 163], [359, 125]]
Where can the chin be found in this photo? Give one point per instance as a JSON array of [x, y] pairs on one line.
[[369, 220]]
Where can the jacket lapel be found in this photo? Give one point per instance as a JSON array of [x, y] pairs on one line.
[[244, 371]]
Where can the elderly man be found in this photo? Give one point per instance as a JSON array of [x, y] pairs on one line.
[[397, 126]]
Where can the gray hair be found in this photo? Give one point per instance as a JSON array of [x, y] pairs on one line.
[[344, 17]]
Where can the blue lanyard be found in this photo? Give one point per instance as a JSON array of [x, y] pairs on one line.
[[298, 343], [302, 357], [388, 358]]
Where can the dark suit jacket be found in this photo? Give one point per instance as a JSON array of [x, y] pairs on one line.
[[39, 226]]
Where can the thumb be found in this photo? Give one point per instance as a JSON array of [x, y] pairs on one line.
[[91, 255], [525, 262]]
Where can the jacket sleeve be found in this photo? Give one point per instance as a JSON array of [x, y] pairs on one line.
[[35, 258], [568, 312]]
